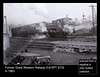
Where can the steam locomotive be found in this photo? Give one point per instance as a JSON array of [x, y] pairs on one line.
[[59, 28]]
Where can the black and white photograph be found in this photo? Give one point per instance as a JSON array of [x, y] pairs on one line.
[[49, 33]]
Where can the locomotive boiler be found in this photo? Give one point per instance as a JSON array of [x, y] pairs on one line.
[[59, 28]]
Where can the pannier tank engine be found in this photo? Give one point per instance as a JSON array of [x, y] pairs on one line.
[[59, 28]]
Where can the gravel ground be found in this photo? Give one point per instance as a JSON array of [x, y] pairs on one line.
[[57, 58], [16, 45], [63, 58]]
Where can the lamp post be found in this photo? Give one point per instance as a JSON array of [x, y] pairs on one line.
[[5, 33], [6, 23], [83, 18]]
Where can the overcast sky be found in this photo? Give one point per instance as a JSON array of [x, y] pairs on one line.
[[28, 13]]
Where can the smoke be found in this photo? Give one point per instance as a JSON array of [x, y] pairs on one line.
[[25, 13], [68, 29], [39, 9], [88, 26], [43, 27]]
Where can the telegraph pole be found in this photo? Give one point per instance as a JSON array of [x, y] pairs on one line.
[[92, 6]]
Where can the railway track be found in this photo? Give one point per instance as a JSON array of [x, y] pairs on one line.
[[74, 44]]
